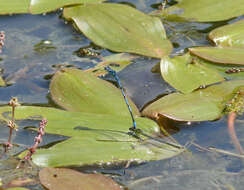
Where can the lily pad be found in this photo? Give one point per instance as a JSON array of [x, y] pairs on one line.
[[205, 10], [225, 55], [121, 28], [231, 35], [200, 105], [63, 179], [76, 90], [185, 75], [37, 7]]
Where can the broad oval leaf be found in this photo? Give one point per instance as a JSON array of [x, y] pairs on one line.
[[95, 139], [37, 6], [185, 75], [231, 35], [63, 179], [225, 55], [200, 105], [76, 90], [121, 28], [205, 10]]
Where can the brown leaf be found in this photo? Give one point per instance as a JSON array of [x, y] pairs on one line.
[[63, 179]]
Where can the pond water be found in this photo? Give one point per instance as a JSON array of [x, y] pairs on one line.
[[38, 45]]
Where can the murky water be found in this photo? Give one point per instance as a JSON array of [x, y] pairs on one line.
[[36, 46]]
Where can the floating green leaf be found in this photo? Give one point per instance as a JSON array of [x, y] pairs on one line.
[[227, 71], [95, 138], [205, 10], [76, 90], [121, 28], [231, 35], [14, 6], [37, 6], [225, 55], [200, 105], [116, 61], [63, 179], [185, 75], [98, 129]]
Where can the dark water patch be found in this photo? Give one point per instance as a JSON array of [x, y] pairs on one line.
[[141, 84]]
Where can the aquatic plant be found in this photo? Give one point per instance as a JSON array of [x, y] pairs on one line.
[[2, 39], [38, 139], [11, 123]]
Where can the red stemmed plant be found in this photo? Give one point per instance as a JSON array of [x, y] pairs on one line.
[[11, 124]]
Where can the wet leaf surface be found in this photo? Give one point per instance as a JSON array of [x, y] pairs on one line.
[[231, 35], [186, 75], [96, 139], [205, 10], [37, 7], [201, 105], [128, 31], [63, 179], [229, 72], [87, 94], [143, 88], [225, 55], [117, 62]]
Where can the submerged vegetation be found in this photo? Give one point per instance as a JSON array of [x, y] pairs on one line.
[[90, 112]]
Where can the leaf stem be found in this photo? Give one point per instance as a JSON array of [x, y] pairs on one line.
[[231, 129]]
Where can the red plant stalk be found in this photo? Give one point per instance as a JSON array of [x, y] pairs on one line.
[[37, 140], [11, 124], [231, 128], [2, 38]]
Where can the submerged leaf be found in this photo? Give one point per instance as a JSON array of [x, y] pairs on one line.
[[121, 28], [2, 82], [231, 35], [200, 105], [63, 179], [186, 75], [205, 10], [225, 55], [76, 90]]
